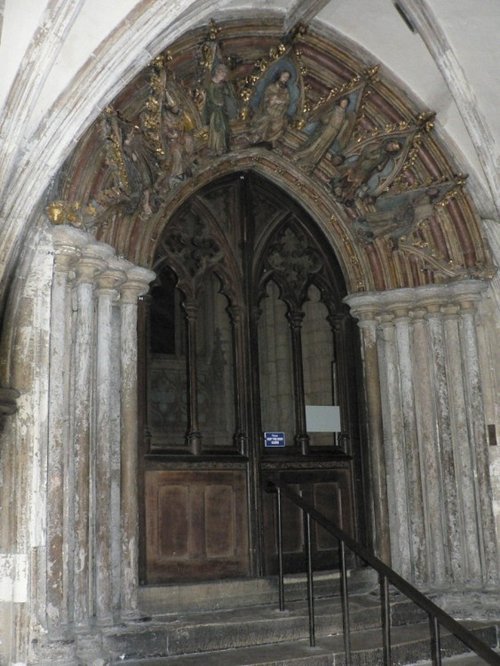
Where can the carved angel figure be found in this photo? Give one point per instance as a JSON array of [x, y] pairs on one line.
[[397, 216], [362, 174], [332, 130]]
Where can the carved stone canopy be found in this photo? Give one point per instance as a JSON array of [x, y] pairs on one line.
[[309, 116]]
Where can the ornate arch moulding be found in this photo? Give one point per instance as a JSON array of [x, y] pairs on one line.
[[307, 115]]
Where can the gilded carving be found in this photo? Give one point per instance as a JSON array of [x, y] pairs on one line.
[[62, 212], [397, 216], [337, 134], [331, 122]]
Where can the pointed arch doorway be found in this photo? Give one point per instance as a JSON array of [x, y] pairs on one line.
[[244, 327]]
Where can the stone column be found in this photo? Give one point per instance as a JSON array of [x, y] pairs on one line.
[[193, 435], [444, 442], [468, 568], [365, 313], [136, 285], [8, 402], [240, 399], [107, 292], [478, 511], [430, 465], [397, 482], [295, 319], [83, 361], [410, 446], [67, 243], [429, 392], [341, 381]]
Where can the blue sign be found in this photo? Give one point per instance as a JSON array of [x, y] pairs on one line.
[[274, 439]]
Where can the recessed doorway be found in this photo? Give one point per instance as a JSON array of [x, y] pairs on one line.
[[243, 328]]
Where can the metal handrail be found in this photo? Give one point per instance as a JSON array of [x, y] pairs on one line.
[[437, 616]]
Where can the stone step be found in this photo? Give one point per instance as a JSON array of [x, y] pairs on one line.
[[174, 635], [410, 647], [240, 627], [459, 660], [236, 593]]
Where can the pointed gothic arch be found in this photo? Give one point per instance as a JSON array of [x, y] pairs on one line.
[[415, 295], [386, 194]]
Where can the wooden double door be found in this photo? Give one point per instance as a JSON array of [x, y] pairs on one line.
[[243, 328]]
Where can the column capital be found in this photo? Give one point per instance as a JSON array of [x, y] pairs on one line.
[[367, 318], [137, 284], [450, 311], [110, 279], [86, 269], [235, 312], [65, 235], [65, 258], [190, 310], [295, 318], [68, 243], [401, 314], [366, 305], [92, 261], [386, 319], [418, 314]]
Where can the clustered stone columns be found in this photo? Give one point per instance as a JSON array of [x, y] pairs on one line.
[[92, 517], [432, 511]]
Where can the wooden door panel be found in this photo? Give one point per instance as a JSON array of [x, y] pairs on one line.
[[220, 512], [328, 500], [196, 524], [293, 532], [172, 507], [330, 491]]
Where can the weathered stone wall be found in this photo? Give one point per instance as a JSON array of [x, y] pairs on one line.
[[23, 449]]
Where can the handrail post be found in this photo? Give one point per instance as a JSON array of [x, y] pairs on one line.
[[346, 624], [437, 616], [386, 619], [435, 640], [310, 583], [279, 518]]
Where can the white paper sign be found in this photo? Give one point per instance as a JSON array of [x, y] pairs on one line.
[[322, 418]]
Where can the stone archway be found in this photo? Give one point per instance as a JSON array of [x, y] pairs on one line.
[[408, 243], [379, 183]]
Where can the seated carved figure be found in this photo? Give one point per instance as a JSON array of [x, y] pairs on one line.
[[271, 118]]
